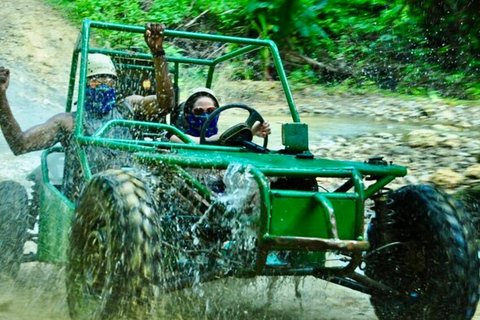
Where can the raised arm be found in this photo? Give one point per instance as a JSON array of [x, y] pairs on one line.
[[155, 107], [165, 94], [56, 129]]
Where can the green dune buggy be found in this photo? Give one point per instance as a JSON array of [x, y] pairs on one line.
[[186, 213]]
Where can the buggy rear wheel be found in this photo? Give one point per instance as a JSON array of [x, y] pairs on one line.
[[114, 253], [425, 249], [13, 226]]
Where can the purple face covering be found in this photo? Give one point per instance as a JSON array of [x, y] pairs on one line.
[[195, 124], [100, 100]]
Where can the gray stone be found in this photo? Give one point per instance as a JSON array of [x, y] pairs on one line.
[[446, 178], [473, 171], [422, 138], [450, 141], [401, 150]]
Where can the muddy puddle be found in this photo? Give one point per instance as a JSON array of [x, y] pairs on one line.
[[39, 293]]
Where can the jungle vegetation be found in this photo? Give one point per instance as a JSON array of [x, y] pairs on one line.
[[407, 46]]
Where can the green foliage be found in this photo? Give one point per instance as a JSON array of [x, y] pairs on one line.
[[411, 46], [283, 20]]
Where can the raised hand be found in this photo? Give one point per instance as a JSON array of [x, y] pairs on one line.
[[4, 79], [154, 37]]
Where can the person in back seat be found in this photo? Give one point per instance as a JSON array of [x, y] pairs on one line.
[[100, 107]]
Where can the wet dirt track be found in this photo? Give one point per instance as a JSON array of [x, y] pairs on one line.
[[39, 293], [36, 44]]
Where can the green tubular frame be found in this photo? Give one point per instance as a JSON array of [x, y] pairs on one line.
[[82, 49], [262, 166]]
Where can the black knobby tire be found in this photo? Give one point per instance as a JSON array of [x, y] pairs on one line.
[[13, 226], [470, 199], [431, 261], [114, 254]]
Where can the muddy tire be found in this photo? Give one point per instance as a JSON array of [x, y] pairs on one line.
[[114, 254], [470, 199], [13, 226], [431, 261]]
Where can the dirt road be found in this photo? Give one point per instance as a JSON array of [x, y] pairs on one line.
[[36, 44]]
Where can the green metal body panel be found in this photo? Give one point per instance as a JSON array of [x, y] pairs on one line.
[[295, 136], [311, 223], [304, 217], [55, 218], [54, 225]]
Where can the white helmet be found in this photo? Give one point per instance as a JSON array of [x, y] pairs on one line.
[[100, 64], [200, 92]]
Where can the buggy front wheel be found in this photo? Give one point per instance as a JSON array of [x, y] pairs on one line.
[[114, 251]]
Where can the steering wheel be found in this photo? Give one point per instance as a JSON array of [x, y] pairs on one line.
[[239, 134]]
